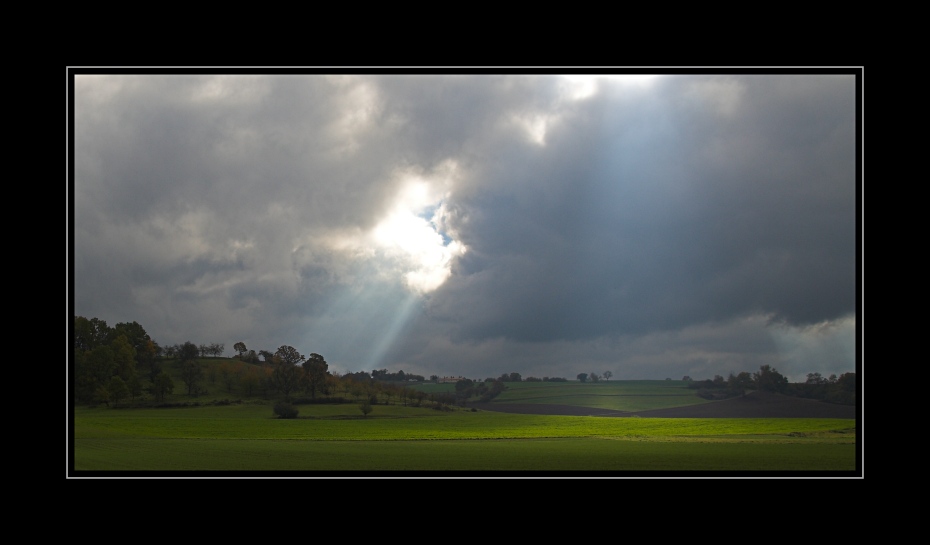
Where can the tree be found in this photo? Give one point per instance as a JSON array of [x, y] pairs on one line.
[[583, 377], [102, 395], [768, 379], [93, 369], [89, 334], [142, 344], [135, 388], [607, 375], [739, 383], [146, 356], [117, 389], [815, 378], [315, 371], [240, 348], [192, 375], [365, 408], [287, 375], [161, 386], [124, 357], [187, 352], [191, 372], [594, 377]]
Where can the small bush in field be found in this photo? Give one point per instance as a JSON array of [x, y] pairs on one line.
[[285, 410]]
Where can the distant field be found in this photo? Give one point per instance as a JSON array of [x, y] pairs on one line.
[[617, 395]]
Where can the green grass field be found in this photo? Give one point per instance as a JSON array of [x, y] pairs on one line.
[[247, 437], [619, 395]]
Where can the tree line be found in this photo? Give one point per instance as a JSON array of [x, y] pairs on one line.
[[834, 389], [123, 362], [113, 364]]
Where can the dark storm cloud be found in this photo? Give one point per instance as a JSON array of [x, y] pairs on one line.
[[653, 227], [673, 213]]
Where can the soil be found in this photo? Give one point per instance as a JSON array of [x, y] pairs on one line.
[[753, 405]]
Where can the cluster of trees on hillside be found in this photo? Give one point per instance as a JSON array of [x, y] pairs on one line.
[[113, 364], [517, 377], [400, 376], [594, 377], [110, 363], [835, 389]]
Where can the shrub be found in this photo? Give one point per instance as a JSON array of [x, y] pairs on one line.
[[285, 410]]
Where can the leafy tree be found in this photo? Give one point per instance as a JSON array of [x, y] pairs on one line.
[[142, 344], [365, 408], [146, 355], [190, 370], [118, 390], [582, 377], [594, 377], [607, 375], [315, 371], [89, 334], [192, 375], [739, 383], [93, 370], [162, 386], [135, 387], [287, 374], [768, 379], [240, 348], [102, 395], [843, 390], [187, 352], [124, 357], [815, 378]]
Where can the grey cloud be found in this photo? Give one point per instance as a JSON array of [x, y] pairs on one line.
[[646, 214]]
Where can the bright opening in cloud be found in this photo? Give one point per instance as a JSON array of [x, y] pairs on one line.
[[581, 86], [412, 236]]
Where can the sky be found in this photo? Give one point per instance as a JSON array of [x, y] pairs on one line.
[[441, 222]]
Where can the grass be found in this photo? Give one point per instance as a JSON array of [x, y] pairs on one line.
[[337, 438], [619, 395]]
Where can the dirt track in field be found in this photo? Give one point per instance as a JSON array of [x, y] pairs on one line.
[[753, 405]]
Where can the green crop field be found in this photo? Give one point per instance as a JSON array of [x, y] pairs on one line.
[[247, 437], [619, 395]]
